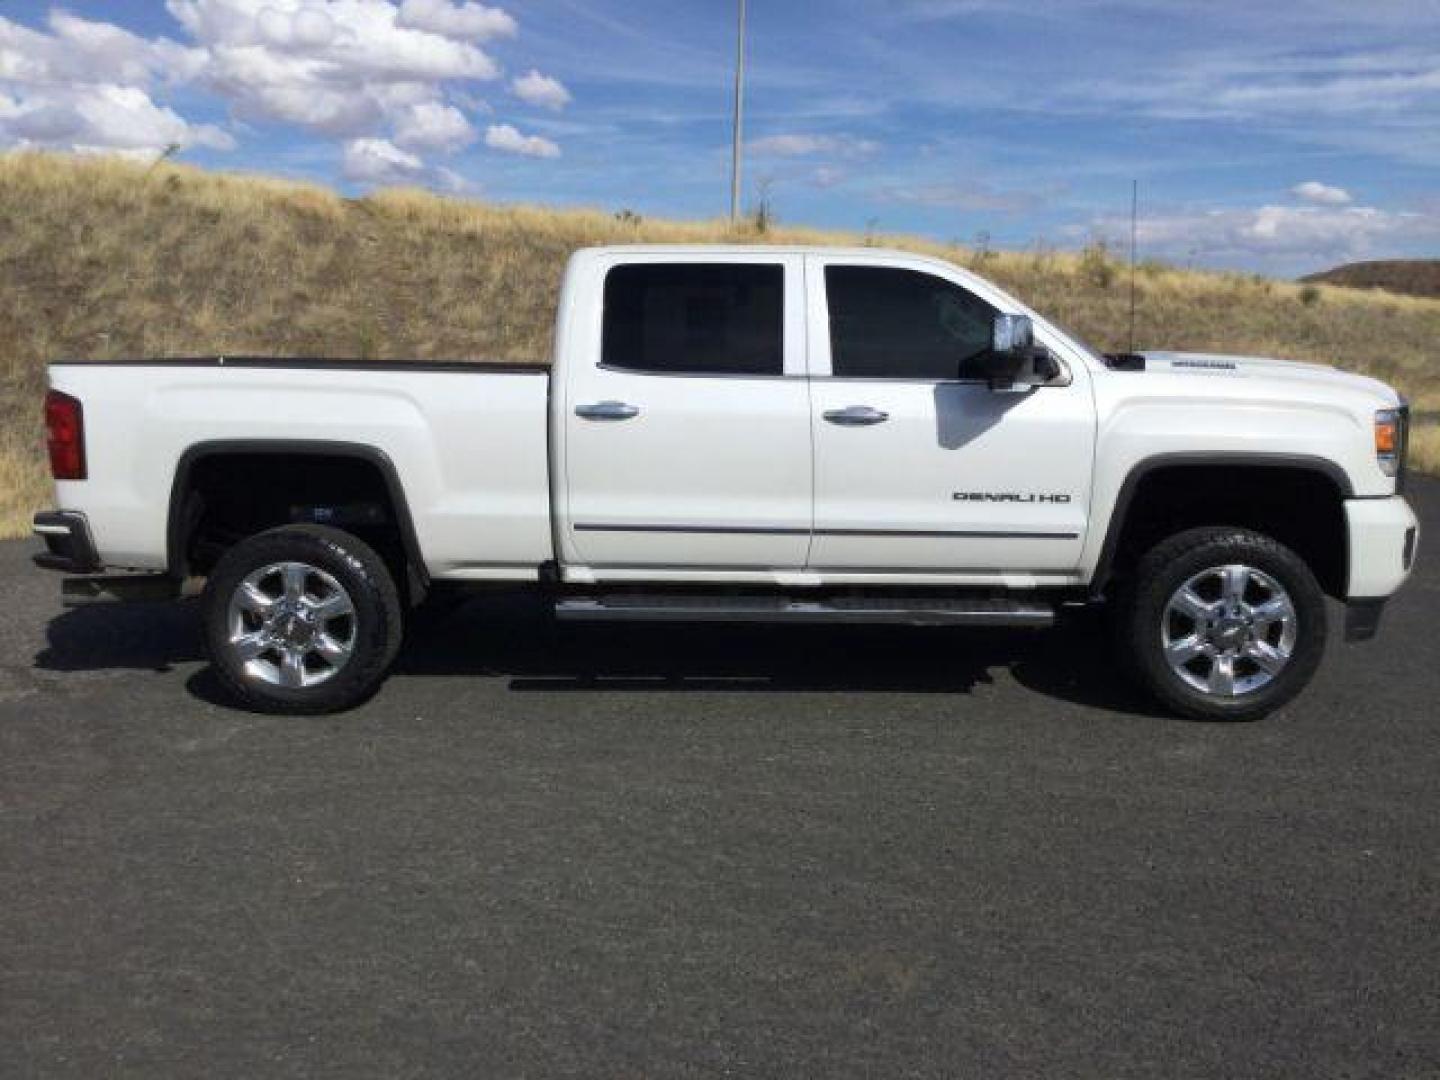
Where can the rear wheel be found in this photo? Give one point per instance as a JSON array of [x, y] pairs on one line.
[[302, 619], [1224, 623]]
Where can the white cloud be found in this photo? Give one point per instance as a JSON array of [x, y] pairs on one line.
[[430, 125], [77, 50], [541, 90], [268, 56], [1276, 235], [104, 117], [1313, 191], [808, 145], [382, 75], [505, 137], [379, 161], [303, 29], [368, 71], [454, 182], [371, 71], [87, 86], [465, 21]]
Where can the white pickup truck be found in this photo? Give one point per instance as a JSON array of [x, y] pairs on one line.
[[746, 434]]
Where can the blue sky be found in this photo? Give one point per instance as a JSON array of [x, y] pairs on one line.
[[1277, 138]]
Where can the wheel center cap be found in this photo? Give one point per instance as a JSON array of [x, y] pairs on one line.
[[296, 630], [1231, 632]]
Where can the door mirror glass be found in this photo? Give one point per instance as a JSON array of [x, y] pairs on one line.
[[1012, 334], [1012, 351]]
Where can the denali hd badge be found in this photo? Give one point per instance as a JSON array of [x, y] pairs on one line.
[[1010, 497]]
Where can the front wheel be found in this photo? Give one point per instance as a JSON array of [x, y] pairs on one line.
[[1224, 623], [302, 619]]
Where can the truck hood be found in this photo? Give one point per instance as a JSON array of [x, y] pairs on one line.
[[1301, 377]]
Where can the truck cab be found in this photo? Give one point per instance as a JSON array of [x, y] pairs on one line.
[[794, 417]]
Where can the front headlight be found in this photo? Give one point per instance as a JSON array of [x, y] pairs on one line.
[[1391, 433]]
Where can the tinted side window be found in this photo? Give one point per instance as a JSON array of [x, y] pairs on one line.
[[901, 324], [715, 319]]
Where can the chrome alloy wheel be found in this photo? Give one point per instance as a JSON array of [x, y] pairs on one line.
[[291, 625], [1229, 630]]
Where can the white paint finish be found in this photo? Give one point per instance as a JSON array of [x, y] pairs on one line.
[[469, 448], [1261, 410], [721, 454], [725, 453], [942, 438], [1377, 529]]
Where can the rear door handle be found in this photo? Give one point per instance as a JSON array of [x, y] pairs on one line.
[[857, 416], [607, 410]]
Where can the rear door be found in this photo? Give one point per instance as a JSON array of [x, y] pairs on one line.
[[920, 467], [687, 441]]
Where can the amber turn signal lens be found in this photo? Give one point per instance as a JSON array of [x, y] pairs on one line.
[[1389, 440], [1387, 436]]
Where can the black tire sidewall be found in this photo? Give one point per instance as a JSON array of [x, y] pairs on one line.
[[1169, 565], [362, 573]]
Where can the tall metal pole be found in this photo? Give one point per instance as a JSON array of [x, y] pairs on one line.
[[739, 117]]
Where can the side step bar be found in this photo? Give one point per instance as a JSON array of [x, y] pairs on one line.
[[909, 611]]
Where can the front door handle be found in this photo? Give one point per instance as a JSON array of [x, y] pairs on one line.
[[607, 410], [857, 416]]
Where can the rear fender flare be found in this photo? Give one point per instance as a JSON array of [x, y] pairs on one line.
[[177, 526]]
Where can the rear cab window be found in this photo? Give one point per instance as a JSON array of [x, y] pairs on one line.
[[695, 319]]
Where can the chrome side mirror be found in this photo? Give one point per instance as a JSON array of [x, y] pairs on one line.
[[1012, 350]]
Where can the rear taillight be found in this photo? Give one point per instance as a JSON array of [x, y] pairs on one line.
[[65, 431]]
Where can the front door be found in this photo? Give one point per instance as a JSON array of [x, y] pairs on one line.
[[688, 433], [919, 467]]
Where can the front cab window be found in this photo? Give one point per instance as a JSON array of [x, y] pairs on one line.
[[892, 323]]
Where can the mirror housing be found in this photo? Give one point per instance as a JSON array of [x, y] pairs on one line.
[[1014, 356]]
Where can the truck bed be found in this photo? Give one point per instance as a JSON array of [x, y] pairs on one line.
[[466, 440]]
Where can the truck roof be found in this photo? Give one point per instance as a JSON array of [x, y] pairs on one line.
[[761, 249]]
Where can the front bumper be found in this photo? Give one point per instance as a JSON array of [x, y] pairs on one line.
[[1381, 537], [68, 544]]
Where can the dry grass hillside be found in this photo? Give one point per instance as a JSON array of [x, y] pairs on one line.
[[102, 258], [1412, 277]]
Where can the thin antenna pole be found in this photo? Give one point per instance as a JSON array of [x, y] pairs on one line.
[[1134, 215], [739, 117]]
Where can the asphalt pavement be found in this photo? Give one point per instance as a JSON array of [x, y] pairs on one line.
[[673, 851]]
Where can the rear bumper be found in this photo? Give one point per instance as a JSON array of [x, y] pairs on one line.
[[69, 546], [1382, 535]]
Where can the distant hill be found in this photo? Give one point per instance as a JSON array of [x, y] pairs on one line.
[[1412, 277]]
